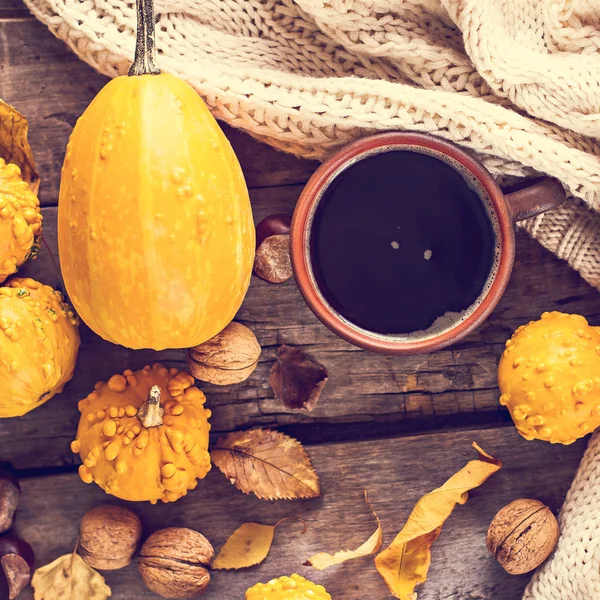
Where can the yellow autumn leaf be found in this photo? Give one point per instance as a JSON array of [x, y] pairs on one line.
[[69, 578], [14, 147], [405, 563], [247, 546], [324, 560]]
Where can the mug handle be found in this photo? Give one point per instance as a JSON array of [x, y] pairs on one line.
[[534, 196]]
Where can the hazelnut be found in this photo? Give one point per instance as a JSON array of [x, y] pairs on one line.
[[174, 562], [109, 537], [10, 493], [522, 535], [272, 261], [229, 357]]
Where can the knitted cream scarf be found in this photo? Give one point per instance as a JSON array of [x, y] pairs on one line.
[[515, 81]]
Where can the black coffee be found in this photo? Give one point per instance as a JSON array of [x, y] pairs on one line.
[[400, 239]]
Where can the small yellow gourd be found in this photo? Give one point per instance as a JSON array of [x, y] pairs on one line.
[[20, 220], [143, 436], [549, 378], [287, 588], [39, 341]]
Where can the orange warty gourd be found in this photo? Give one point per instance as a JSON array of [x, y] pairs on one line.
[[549, 378], [155, 228], [287, 588], [39, 341], [144, 435], [20, 220]]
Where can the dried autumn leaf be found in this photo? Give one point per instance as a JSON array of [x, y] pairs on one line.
[[247, 546], [297, 379], [323, 560], [69, 578], [404, 564], [14, 147], [268, 463]]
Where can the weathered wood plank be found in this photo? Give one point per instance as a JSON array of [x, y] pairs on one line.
[[395, 472], [44, 80], [12, 4], [366, 395], [14, 9]]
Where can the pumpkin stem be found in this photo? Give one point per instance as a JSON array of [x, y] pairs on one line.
[[151, 412], [145, 46]]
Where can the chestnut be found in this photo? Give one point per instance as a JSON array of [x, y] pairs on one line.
[[17, 561], [272, 225], [10, 493], [272, 261]]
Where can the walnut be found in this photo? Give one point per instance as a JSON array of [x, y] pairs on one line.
[[109, 537], [522, 535], [174, 562], [229, 357]]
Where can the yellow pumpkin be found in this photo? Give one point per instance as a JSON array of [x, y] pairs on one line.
[[39, 341], [144, 435], [155, 228], [287, 588], [549, 378], [20, 220]]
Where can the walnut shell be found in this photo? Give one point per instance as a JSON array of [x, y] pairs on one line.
[[522, 535], [229, 357], [174, 562], [109, 537]]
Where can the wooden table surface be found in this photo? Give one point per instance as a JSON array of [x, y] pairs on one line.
[[397, 427]]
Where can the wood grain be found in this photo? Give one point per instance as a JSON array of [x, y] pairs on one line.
[[366, 395], [14, 9], [47, 83], [395, 472]]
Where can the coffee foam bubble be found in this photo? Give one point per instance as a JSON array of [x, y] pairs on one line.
[[448, 321]]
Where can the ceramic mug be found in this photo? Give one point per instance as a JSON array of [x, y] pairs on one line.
[[529, 199]]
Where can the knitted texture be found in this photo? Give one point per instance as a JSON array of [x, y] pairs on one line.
[[515, 81], [573, 572]]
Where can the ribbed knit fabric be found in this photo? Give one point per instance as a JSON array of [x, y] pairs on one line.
[[517, 82], [573, 571]]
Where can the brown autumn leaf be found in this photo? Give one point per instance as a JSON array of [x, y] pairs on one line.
[[323, 560], [14, 147], [69, 578], [297, 379], [268, 463], [405, 563], [248, 545]]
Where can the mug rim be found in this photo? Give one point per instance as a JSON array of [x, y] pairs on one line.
[[300, 251]]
